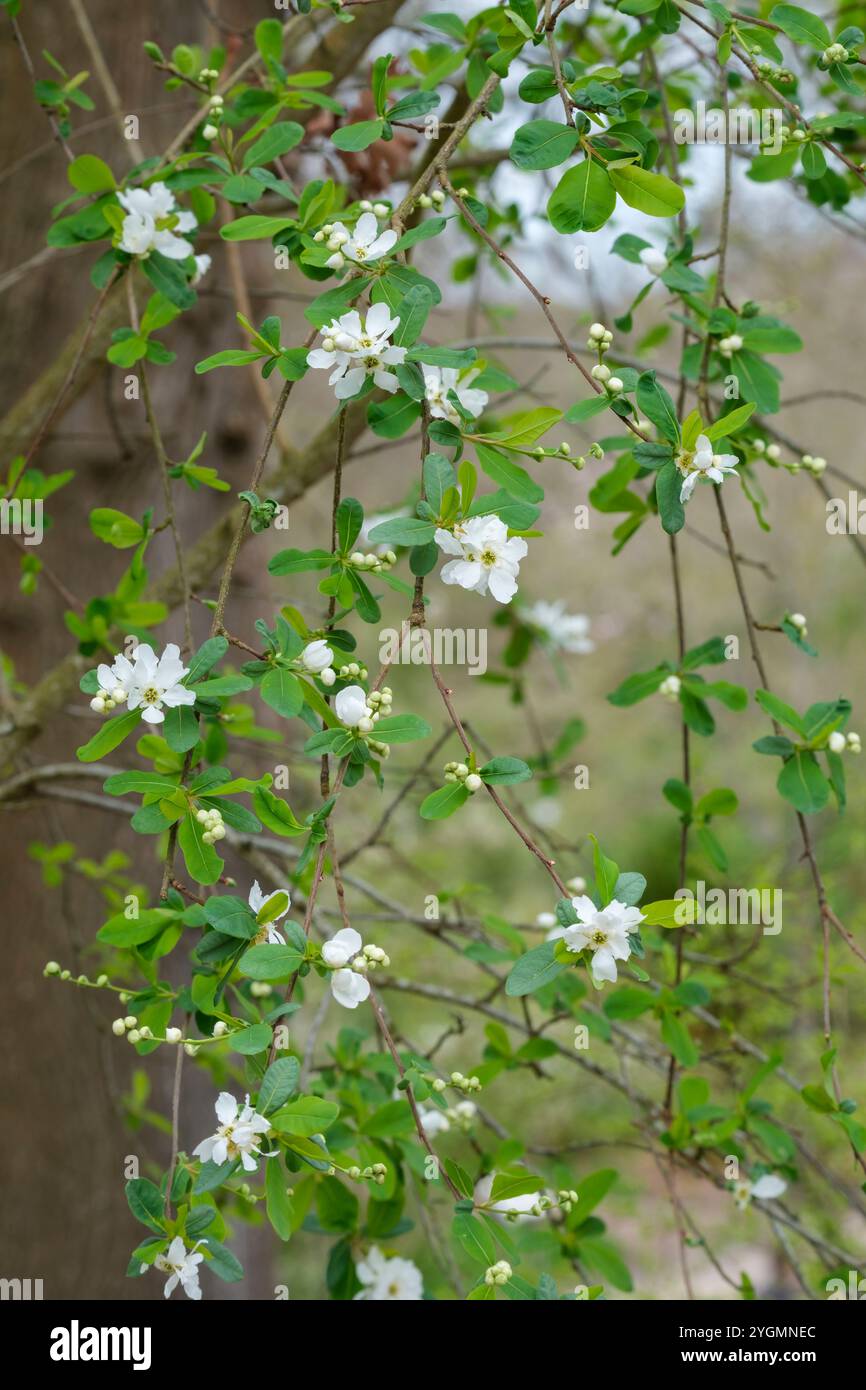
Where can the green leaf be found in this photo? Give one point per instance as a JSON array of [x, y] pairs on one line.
[[508, 475], [543, 144], [254, 228], [654, 402], [270, 962], [676, 1036], [358, 136], [444, 801], [116, 528], [349, 520], [112, 733], [474, 1237], [504, 772], [167, 277], [142, 782], [89, 174], [403, 530], [606, 872], [801, 25], [202, 860], [231, 916], [278, 1083], [639, 686], [278, 1197], [180, 728], [146, 1203], [252, 1040], [778, 710], [305, 1116], [123, 931], [731, 423], [654, 194], [534, 969], [401, 728], [282, 691], [276, 813], [668, 487], [583, 200], [802, 782], [231, 357], [275, 141]]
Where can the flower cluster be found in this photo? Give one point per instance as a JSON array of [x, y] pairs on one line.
[[349, 960], [152, 222], [214, 826], [459, 772], [354, 349], [147, 682], [318, 658], [364, 244]]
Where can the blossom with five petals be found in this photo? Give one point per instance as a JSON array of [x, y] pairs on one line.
[[257, 900], [237, 1136], [383, 1279], [181, 1265], [439, 382], [365, 243], [703, 463], [154, 682], [605, 931], [488, 561]]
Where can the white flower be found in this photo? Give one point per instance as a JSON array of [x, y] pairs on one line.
[[703, 463], [181, 1266], [466, 1110], [316, 656], [363, 245], [257, 900], [342, 948], [237, 1134], [653, 260], [765, 1188], [569, 631], [434, 1122], [202, 266], [605, 931], [670, 687], [349, 988], [439, 381], [114, 681], [154, 683], [351, 706], [488, 560], [352, 350], [145, 228], [383, 1279]]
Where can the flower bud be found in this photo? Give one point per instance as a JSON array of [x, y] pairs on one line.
[[118, 1027], [220, 1029], [173, 1035], [473, 782], [837, 742]]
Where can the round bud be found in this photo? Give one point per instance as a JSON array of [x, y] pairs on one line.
[[220, 1029], [97, 704], [118, 1027], [173, 1035], [473, 782], [837, 742]]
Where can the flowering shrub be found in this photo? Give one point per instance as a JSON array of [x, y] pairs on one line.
[[363, 1139]]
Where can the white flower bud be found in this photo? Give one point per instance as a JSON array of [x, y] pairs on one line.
[[133, 1035], [473, 782], [173, 1035], [328, 676], [597, 330], [382, 209], [190, 1049], [837, 742], [210, 132], [118, 1027], [97, 704], [615, 385], [600, 372], [797, 620], [130, 1021], [220, 1029]]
